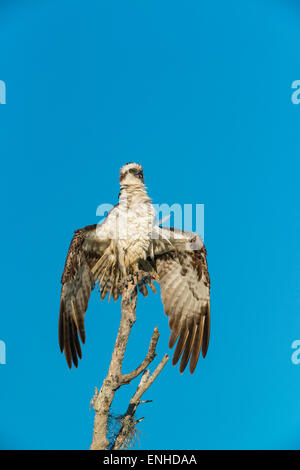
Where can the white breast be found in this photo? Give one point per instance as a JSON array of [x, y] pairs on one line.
[[135, 228]]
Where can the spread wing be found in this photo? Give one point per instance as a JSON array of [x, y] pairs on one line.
[[77, 283], [183, 276]]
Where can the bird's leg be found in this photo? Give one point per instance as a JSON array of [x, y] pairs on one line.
[[123, 283], [147, 278], [134, 276], [136, 273]]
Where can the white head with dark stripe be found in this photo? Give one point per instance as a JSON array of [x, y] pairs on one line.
[[132, 174]]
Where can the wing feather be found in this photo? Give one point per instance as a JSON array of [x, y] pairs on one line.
[[198, 344], [206, 332], [77, 284], [181, 343], [185, 290], [192, 329]]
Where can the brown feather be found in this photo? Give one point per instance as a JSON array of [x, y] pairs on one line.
[[72, 342], [79, 312], [206, 333], [183, 276], [180, 345], [67, 347], [173, 338], [188, 347], [76, 289], [76, 342], [197, 344]]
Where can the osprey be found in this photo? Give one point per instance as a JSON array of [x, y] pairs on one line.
[[129, 245]]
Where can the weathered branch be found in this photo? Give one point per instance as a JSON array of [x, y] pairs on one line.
[[115, 379], [126, 378], [135, 401]]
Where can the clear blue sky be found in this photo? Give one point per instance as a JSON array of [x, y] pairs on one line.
[[200, 94]]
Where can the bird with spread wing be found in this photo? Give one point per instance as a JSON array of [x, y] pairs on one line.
[[130, 245]]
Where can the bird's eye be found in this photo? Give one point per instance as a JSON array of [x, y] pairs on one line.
[[137, 173]]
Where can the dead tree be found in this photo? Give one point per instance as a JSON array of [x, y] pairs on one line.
[[103, 399]]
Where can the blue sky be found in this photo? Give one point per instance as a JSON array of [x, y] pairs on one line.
[[200, 94]]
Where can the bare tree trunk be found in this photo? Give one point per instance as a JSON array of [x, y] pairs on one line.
[[115, 378]]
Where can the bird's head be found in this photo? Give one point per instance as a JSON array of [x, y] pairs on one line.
[[131, 174]]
